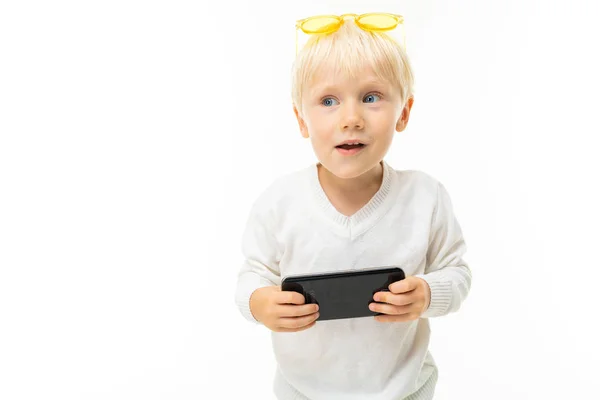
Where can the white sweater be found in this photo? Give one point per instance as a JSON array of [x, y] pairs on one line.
[[409, 222]]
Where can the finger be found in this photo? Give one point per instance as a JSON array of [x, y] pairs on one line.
[[296, 310], [395, 299], [297, 322], [290, 297], [295, 330], [397, 318], [406, 285], [390, 309]]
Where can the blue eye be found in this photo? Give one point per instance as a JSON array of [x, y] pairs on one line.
[[371, 98], [329, 101]]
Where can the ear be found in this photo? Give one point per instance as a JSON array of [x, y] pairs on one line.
[[403, 120], [301, 123]]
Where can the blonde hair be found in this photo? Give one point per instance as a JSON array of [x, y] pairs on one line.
[[349, 50]]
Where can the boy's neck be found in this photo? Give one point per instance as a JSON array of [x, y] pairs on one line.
[[350, 195]]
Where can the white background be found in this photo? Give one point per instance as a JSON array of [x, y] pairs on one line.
[[134, 136]]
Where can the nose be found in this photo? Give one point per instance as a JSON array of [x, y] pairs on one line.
[[352, 119]]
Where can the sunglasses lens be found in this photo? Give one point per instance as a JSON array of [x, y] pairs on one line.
[[378, 22], [320, 25]]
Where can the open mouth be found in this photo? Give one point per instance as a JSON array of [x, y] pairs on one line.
[[348, 149], [350, 146]]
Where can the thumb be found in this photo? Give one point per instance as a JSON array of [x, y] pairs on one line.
[[403, 286]]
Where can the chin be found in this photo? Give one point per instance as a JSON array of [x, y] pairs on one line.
[[348, 171]]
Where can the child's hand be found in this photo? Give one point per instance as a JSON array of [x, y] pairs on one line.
[[282, 311], [406, 300]]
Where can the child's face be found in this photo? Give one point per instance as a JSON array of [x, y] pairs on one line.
[[366, 110]]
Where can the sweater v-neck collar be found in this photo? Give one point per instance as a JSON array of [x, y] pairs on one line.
[[356, 224]]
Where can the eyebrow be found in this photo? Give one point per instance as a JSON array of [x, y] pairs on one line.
[[329, 88]]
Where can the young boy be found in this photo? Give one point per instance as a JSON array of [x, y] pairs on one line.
[[352, 90]]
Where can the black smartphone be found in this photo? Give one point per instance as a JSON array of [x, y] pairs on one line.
[[343, 294]]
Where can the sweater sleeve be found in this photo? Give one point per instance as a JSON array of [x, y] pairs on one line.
[[447, 274], [260, 267]]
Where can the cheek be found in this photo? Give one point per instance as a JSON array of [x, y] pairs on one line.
[[321, 128], [383, 125]]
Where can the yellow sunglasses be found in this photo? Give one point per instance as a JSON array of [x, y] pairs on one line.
[[376, 22]]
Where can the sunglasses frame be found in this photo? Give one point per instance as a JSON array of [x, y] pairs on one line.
[[399, 20]]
